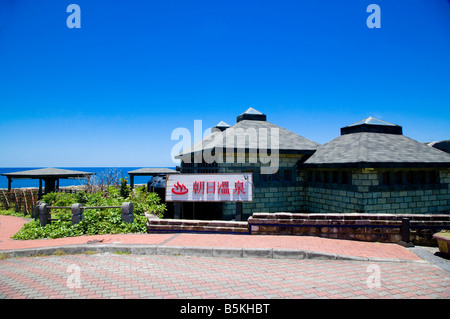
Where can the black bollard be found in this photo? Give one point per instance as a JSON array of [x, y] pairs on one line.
[[405, 230]]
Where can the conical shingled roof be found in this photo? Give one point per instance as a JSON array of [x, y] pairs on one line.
[[252, 111], [372, 121], [251, 114], [385, 146], [222, 126], [247, 125], [374, 125]]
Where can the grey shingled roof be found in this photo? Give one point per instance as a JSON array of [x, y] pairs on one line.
[[288, 141], [152, 171], [222, 124], [369, 149], [47, 172]]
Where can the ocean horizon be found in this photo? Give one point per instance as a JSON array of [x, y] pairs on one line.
[[34, 183]]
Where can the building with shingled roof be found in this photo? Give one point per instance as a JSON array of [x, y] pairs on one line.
[[372, 167], [255, 145]]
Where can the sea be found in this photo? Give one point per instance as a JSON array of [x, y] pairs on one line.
[[34, 183]]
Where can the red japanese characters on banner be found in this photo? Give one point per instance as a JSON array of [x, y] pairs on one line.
[[222, 188], [210, 187]]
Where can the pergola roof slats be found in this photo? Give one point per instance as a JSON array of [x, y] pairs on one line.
[[46, 173], [152, 171]]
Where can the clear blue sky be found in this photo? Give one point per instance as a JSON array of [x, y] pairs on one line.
[[112, 92]]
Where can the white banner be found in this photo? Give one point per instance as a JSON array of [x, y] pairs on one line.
[[210, 188]]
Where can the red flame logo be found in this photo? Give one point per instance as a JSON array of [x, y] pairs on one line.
[[179, 189]]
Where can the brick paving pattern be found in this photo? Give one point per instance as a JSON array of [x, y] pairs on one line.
[[10, 225], [160, 276], [107, 276]]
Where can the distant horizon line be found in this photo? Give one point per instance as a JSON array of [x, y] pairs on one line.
[[85, 166]]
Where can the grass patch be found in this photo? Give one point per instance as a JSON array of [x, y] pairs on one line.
[[121, 253], [12, 212]]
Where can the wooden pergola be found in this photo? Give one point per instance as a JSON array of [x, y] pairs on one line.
[[50, 176], [149, 172]]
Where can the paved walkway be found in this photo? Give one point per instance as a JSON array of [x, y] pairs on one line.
[[179, 266], [207, 245], [107, 275]]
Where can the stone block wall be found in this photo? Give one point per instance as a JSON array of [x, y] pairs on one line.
[[362, 191], [333, 200], [269, 194], [366, 194], [339, 198], [420, 201], [268, 199]]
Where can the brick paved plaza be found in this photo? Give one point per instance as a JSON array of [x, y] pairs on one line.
[[157, 266], [108, 275]]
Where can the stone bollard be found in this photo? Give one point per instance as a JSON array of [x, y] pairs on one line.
[[43, 214], [77, 213], [36, 211], [127, 212]]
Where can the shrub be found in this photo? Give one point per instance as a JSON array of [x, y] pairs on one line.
[[125, 190], [104, 221]]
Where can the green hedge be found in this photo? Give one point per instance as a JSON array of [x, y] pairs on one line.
[[104, 221]]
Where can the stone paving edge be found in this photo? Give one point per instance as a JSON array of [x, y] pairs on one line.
[[140, 249]]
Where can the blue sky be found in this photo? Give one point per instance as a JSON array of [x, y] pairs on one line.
[[112, 92]]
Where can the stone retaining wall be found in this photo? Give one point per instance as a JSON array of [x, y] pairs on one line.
[[156, 225], [364, 227]]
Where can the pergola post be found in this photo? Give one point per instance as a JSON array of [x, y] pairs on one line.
[[131, 180], [9, 183], [40, 189], [49, 185]]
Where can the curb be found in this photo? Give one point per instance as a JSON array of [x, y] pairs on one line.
[[271, 253], [434, 259]]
